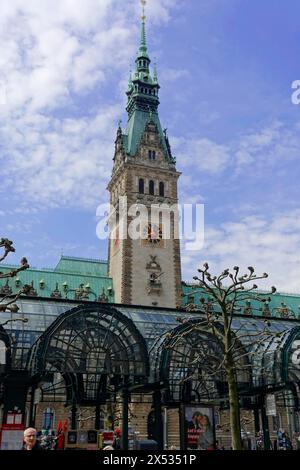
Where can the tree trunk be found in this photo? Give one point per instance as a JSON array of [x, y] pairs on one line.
[[234, 408]]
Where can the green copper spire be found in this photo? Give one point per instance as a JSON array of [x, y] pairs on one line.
[[143, 99], [143, 44], [142, 52]]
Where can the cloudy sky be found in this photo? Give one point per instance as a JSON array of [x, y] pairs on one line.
[[225, 69]]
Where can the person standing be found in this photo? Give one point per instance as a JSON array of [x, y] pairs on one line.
[[30, 440], [117, 439]]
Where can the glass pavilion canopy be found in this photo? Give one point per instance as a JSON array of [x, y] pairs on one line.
[[88, 343]]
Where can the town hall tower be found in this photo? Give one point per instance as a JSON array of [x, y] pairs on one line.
[[146, 270]]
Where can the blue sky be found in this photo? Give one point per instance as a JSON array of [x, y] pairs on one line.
[[225, 68]]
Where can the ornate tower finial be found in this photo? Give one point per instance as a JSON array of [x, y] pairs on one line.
[[143, 45], [143, 2], [155, 78]]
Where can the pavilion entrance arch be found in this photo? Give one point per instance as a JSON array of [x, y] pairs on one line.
[[98, 352]]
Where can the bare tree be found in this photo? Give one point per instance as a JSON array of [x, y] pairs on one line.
[[7, 302], [227, 295]]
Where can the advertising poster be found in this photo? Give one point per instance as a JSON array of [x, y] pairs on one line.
[[72, 437], [199, 427], [82, 437], [92, 437]]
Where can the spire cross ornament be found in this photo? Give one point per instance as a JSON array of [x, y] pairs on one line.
[[143, 3]]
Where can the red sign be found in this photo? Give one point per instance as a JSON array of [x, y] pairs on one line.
[[108, 435]]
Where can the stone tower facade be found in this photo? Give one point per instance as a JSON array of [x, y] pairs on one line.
[[145, 267]]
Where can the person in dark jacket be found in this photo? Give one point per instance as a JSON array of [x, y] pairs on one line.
[[30, 441], [117, 439]]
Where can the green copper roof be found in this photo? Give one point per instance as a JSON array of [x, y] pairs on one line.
[[82, 266], [280, 302], [69, 274], [136, 128]]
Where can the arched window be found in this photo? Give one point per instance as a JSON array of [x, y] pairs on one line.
[[48, 418], [141, 186], [161, 189], [151, 187]]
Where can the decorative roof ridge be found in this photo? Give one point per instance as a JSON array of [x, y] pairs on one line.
[[77, 273], [56, 271], [261, 291], [89, 260]]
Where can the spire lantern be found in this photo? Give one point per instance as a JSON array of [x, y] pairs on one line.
[[142, 60]]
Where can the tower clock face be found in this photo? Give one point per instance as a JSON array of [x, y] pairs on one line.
[[152, 233]]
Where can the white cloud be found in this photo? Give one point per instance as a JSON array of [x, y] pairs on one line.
[[170, 75], [257, 152], [272, 246], [272, 146], [203, 154], [62, 162], [53, 54]]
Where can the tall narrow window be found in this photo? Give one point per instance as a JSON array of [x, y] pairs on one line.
[[151, 187], [217, 418], [161, 189], [48, 418], [297, 422], [141, 186], [2, 353], [151, 154]]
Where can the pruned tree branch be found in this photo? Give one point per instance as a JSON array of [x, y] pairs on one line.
[[7, 302], [227, 294]]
